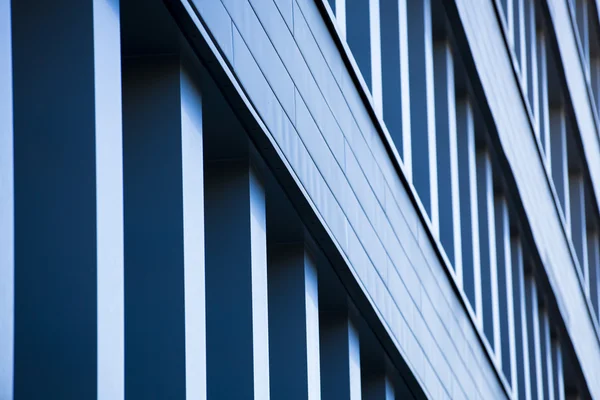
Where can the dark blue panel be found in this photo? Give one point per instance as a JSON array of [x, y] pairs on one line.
[[229, 339], [154, 274], [486, 252], [335, 355], [55, 200], [358, 36], [287, 322], [390, 70], [421, 110]]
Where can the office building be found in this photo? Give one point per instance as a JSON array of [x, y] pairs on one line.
[[300, 199]]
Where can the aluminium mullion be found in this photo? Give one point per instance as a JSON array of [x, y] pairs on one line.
[[164, 229], [531, 82], [394, 75], [376, 73], [546, 354], [521, 334], [519, 38], [422, 106], [487, 245], [237, 326], [7, 238], [447, 156], [468, 206], [557, 368], [293, 322], [559, 161], [533, 334], [68, 191], [505, 290], [594, 269], [582, 21], [543, 108], [579, 224], [340, 357]]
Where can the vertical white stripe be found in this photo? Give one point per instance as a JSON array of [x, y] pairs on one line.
[[505, 288], [519, 38], [584, 38], [532, 61], [447, 156], [557, 364], [487, 232], [594, 268], [533, 333], [468, 206], [560, 166], [510, 20], [431, 145], [543, 116], [375, 29], [354, 354], [546, 352], [260, 312], [7, 265], [579, 224], [193, 238], [312, 330], [109, 199], [405, 88], [340, 15]]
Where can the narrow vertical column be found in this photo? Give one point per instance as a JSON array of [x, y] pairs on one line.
[[557, 367], [340, 357], [375, 36], [358, 36], [293, 323], [584, 31], [363, 36], [378, 387], [340, 16], [519, 36], [7, 228], [192, 162], [544, 110], [422, 106], [447, 156], [109, 198], [469, 223], [394, 71], [508, 8], [531, 76], [546, 353], [487, 246], [533, 333], [164, 236], [236, 282], [578, 223], [521, 336], [594, 268], [68, 217], [505, 290], [560, 166], [595, 81]]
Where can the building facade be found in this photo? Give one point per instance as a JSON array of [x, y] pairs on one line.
[[300, 199]]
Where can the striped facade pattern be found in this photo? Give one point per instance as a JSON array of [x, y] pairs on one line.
[[293, 199]]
